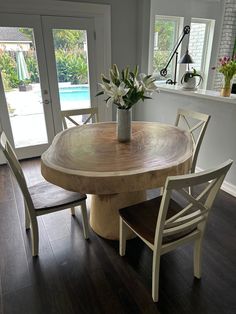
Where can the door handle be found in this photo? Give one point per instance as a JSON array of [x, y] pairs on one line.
[[45, 102]]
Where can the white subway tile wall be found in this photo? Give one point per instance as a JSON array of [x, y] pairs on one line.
[[227, 37]]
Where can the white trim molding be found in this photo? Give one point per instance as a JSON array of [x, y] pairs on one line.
[[226, 186]]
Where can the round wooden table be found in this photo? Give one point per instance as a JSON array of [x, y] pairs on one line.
[[90, 160]]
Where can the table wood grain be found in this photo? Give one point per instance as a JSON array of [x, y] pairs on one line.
[[89, 159]]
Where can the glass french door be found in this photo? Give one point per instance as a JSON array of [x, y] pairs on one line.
[[25, 112], [70, 50], [47, 64]]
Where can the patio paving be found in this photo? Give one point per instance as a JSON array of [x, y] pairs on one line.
[[27, 115]]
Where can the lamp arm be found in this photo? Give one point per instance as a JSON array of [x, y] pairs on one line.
[[186, 31]]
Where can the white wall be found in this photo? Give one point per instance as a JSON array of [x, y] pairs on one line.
[[219, 141], [123, 30]]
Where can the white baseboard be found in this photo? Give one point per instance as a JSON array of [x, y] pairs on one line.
[[226, 186]]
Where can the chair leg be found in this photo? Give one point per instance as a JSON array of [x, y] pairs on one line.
[[155, 276], [27, 218], [84, 219], [197, 257], [34, 236], [161, 190], [123, 236], [72, 211]]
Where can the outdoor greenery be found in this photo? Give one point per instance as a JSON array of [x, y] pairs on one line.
[[8, 70], [71, 59], [165, 43]]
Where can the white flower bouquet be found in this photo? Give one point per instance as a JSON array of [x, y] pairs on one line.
[[127, 88]]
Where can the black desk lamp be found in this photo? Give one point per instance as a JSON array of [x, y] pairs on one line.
[[163, 72], [186, 59]]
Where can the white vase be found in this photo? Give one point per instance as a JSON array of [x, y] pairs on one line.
[[123, 130]]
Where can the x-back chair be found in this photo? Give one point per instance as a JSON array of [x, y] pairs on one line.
[[70, 116], [42, 198], [197, 130], [164, 223]]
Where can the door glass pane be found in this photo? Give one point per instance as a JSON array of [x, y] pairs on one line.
[[164, 40], [71, 55], [20, 75]]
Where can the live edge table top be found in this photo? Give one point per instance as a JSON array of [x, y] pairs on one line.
[[89, 159]]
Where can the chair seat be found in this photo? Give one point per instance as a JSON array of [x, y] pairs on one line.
[[143, 218], [46, 195]]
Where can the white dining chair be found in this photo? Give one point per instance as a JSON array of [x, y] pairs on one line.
[[196, 123], [42, 198], [71, 116], [164, 224]]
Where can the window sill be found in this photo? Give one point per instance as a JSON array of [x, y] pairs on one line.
[[200, 93]]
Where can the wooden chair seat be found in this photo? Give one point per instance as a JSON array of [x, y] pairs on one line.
[[46, 195], [142, 217]]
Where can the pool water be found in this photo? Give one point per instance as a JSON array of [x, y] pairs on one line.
[[74, 93]]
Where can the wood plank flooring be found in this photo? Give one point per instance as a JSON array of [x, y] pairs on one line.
[[72, 275]]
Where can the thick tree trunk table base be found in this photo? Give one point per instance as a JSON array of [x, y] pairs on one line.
[[104, 213]]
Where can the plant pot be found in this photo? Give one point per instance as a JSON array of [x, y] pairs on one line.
[[123, 130], [225, 91], [25, 88], [190, 84]]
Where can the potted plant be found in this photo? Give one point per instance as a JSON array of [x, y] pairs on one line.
[[227, 67], [189, 81], [24, 85], [124, 90]]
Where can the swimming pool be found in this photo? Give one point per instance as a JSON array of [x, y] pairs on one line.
[[74, 93]]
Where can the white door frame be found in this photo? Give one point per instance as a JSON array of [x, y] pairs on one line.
[[101, 13]]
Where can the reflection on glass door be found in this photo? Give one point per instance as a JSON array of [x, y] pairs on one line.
[[21, 82], [71, 55]]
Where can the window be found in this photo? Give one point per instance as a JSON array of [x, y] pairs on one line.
[[166, 33], [200, 44]]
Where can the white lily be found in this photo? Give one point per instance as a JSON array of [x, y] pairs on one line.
[[105, 87], [116, 94], [148, 84], [122, 96]]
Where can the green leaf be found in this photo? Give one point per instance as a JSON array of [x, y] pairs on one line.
[[123, 75], [126, 73], [112, 76], [100, 93], [136, 70], [104, 79], [116, 71]]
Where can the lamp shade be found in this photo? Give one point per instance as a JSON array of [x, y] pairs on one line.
[[186, 58]]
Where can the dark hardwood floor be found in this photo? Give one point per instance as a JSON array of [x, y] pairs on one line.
[[72, 275]]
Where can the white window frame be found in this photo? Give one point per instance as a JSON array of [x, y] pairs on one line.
[[207, 47], [179, 23]]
